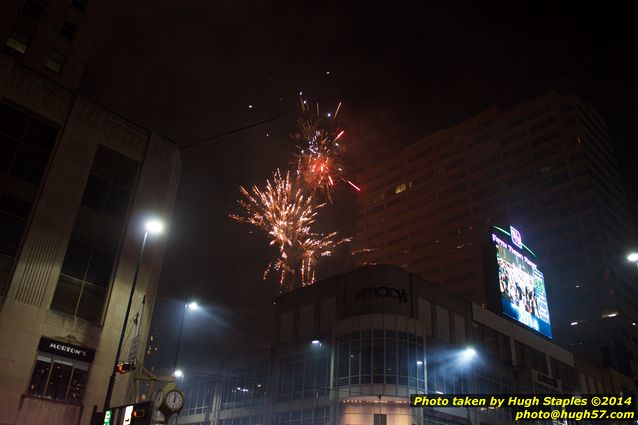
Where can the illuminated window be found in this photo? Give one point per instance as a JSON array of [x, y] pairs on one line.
[[17, 44], [246, 387], [55, 61], [401, 188], [58, 378], [24, 28]]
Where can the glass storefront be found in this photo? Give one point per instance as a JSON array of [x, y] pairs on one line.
[[380, 357]]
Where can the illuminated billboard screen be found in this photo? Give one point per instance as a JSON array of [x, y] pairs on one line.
[[521, 285]]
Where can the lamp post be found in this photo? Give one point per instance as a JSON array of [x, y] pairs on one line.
[[153, 227], [467, 356], [187, 306]]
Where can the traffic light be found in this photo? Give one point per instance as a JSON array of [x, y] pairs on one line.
[[124, 367], [139, 414], [142, 413]]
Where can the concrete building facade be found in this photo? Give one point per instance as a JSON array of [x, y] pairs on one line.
[[77, 182], [545, 166], [352, 348]]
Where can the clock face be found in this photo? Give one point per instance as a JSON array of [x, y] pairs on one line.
[[174, 400], [159, 397]]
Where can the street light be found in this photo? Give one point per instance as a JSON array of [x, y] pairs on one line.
[[153, 227], [633, 257], [187, 306], [468, 354]]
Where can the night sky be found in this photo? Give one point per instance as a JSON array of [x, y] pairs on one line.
[[192, 70]]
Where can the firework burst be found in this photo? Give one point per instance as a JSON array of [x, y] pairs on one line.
[[320, 150], [286, 213]]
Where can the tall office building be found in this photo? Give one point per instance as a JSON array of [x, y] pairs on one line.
[[76, 183], [545, 167]]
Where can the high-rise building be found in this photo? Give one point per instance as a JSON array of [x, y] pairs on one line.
[[546, 167], [77, 181], [162, 337]]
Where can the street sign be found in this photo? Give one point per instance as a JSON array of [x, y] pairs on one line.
[[107, 417], [132, 354], [128, 415]]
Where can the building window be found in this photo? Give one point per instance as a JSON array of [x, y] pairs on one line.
[[24, 27], [17, 43], [305, 375], [380, 419], [198, 393], [380, 357], [528, 357], [26, 142], [13, 215], [68, 30], [110, 184], [447, 375], [84, 279], [90, 256], [20, 130], [246, 387], [565, 373], [242, 420], [400, 188], [488, 381], [58, 378], [375, 199], [55, 61]]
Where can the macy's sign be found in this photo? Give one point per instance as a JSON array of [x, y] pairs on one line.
[[401, 295]]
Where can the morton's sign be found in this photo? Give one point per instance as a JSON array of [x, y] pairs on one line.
[[65, 349]]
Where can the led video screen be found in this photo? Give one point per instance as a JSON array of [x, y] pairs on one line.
[[522, 288]]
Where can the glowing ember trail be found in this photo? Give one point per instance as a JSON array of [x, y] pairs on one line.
[[286, 213]]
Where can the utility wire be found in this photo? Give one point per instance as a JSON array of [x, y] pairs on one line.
[[226, 133]]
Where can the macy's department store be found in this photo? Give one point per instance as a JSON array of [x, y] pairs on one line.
[[352, 348]]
